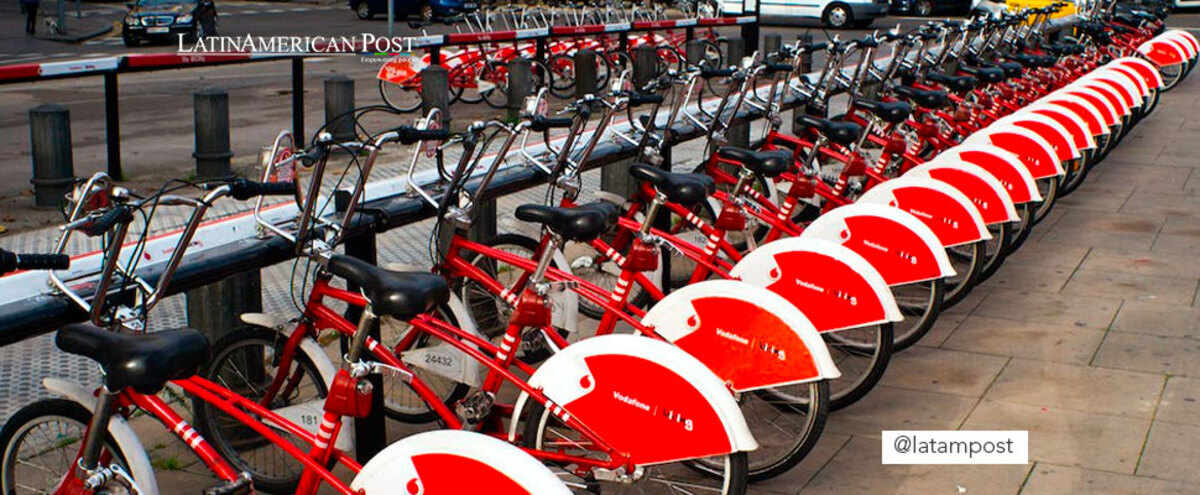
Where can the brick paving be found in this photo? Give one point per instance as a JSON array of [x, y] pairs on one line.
[[1086, 338]]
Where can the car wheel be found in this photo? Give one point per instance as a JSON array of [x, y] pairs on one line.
[[363, 10], [130, 41], [837, 16], [923, 8]]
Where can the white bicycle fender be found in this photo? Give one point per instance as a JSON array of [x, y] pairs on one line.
[[1061, 140], [1186, 40], [945, 209], [1144, 69], [127, 439], [1107, 93], [1033, 150], [1003, 165], [1116, 70], [1084, 109], [455, 461], [750, 337], [1110, 112], [833, 286], [896, 243], [986, 193], [1069, 120], [643, 396], [1129, 91], [1162, 52]]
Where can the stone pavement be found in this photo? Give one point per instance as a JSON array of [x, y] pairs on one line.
[[1086, 337]]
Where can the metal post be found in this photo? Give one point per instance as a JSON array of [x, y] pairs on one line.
[[585, 73], [215, 308], [738, 134], [370, 432], [212, 153], [391, 18], [62, 16], [520, 85], [806, 59], [771, 43], [615, 177], [53, 165], [339, 103], [112, 125], [435, 91], [298, 102], [750, 30], [694, 52]]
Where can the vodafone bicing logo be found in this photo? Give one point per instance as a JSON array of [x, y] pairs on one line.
[[667, 413]]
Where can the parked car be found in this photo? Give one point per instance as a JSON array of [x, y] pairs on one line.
[[165, 20], [833, 13], [425, 10], [925, 8]]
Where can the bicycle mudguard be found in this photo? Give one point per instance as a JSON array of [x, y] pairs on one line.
[[900, 247], [452, 462], [985, 192], [946, 210], [1004, 166], [1069, 120], [1060, 139], [1185, 39], [1116, 70], [832, 285], [1082, 108], [1130, 92], [750, 337], [1107, 110], [1144, 69], [644, 397], [1108, 94], [1162, 52], [126, 438], [1033, 150]]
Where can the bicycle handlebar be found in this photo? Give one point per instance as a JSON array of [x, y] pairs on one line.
[[10, 261], [243, 189], [409, 135], [540, 123]]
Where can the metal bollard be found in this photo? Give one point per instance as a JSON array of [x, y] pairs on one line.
[[53, 163], [694, 52], [585, 73], [212, 153], [771, 43], [615, 178], [215, 308], [806, 59], [435, 92], [339, 102], [738, 134], [520, 85]]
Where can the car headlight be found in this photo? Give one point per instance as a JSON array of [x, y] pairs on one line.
[[183, 19], [145, 21]]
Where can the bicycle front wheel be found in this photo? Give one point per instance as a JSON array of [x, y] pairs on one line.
[[41, 444], [402, 97]]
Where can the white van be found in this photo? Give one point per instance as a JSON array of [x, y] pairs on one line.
[[833, 13]]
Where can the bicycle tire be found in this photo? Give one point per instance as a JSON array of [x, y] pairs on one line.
[[564, 75], [402, 105], [1022, 228], [17, 429], [815, 408], [1049, 197], [208, 420], [736, 475], [852, 387], [995, 249], [920, 312], [970, 259]]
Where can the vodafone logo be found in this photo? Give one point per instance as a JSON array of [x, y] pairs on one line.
[[630, 401]]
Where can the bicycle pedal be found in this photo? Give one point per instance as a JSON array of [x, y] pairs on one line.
[[244, 485], [474, 408]]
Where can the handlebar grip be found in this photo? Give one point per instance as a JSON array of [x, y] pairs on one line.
[[711, 73], [539, 123], [105, 222], [773, 67], [816, 47], [410, 135], [636, 99], [13, 261], [243, 189]]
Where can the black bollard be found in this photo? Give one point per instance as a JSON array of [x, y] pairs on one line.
[[212, 153], [585, 73], [53, 164], [339, 103]]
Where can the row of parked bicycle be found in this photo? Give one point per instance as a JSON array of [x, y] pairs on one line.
[[739, 304]]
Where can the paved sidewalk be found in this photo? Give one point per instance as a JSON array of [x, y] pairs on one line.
[[1086, 338]]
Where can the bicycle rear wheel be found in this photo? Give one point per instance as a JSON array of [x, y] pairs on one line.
[[920, 303], [968, 260], [862, 355], [402, 97], [996, 249]]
